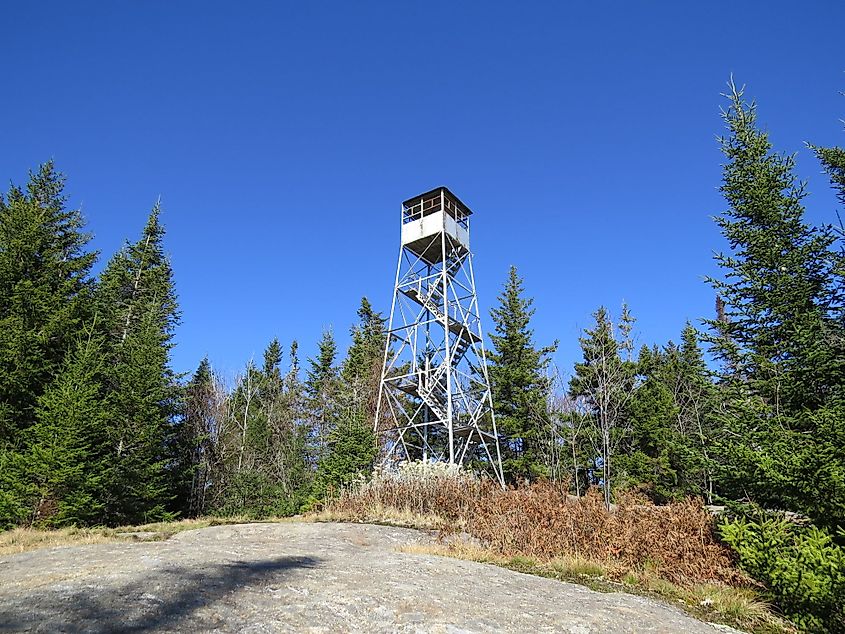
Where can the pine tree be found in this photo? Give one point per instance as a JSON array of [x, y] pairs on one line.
[[781, 337], [44, 294], [519, 383], [137, 301]]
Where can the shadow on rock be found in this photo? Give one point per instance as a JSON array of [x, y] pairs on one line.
[[167, 598]]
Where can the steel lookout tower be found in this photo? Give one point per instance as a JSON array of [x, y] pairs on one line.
[[434, 400]]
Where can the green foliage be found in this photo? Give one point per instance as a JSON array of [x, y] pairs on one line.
[[781, 338], [649, 461], [256, 495], [196, 448], [15, 491], [350, 456], [361, 370], [671, 414], [322, 393], [259, 448], [137, 302], [66, 462], [44, 294], [802, 567], [519, 383]]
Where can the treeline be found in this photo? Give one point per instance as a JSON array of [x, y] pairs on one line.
[[766, 424], [95, 427], [762, 432], [274, 444]]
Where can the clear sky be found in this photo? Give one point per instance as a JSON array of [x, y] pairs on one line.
[[283, 136]]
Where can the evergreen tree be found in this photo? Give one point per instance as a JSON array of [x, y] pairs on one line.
[[198, 467], [781, 338], [272, 359], [833, 162], [66, 462], [519, 383], [670, 418], [137, 301], [293, 370], [44, 294], [648, 457], [361, 371], [350, 455], [696, 399], [265, 466], [322, 393], [779, 288]]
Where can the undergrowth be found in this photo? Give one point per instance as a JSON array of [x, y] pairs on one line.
[[671, 552]]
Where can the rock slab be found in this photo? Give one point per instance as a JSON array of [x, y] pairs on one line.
[[301, 577]]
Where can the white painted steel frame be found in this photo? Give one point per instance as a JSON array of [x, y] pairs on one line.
[[434, 375]]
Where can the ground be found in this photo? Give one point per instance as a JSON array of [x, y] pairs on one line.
[[301, 577]]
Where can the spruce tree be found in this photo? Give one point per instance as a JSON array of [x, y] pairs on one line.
[[781, 337], [137, 301], [648, 457], [197, 466], [44, 294], [67, 462], [350, 455], [696, 399], [350, 444], [322, 388], [361, 370], [519, 383]]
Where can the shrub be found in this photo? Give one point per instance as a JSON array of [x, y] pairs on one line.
[[421, 488], [542, 521], [351, 452], [802, 567], [676, 542], [256, 495]]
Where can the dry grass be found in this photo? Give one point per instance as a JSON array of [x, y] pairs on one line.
[[19, 540], [670, 552], [675, 542], [739, 607], [383, 515]]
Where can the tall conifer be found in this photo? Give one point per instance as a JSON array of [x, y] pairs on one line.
[[781, 335], [137, 300], [519, 382], [67, 462], [44, 293]]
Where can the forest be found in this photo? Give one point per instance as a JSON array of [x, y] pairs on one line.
[[746, 410]]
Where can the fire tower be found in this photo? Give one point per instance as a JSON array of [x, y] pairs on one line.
[[435, 401]]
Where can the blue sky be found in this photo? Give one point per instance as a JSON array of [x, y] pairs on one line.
[[282, 138]]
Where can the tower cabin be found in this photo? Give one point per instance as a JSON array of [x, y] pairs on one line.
[[431, 218]]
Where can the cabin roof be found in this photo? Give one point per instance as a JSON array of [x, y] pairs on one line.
[[437, 190]]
